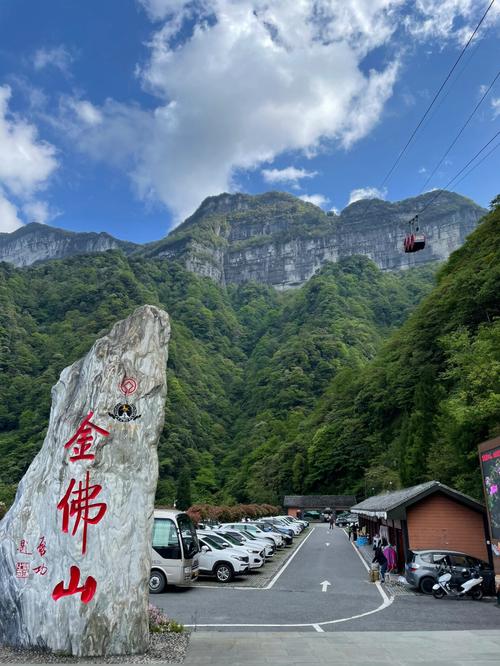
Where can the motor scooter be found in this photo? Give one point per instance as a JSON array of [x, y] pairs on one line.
[[470, 587]]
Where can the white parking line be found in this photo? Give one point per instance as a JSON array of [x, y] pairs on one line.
[[318, 628]]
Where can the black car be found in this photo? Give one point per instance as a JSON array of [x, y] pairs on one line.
[[345, 519]]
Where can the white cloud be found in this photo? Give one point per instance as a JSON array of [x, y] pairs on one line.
[[316, 199], [84, 110], [9, 220], [58, 57], [38, 211], [335, 210], [422, 170], [495, 105], [366, 193], [287, 175], [447, 19], [160, 9], [25, 162]]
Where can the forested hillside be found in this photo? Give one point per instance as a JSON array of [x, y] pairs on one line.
[[360, 380], [234, 355], [431, 394]]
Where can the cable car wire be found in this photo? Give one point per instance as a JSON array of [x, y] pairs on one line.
[[426, 113], [459, 133], [460, 173], [480, 162]]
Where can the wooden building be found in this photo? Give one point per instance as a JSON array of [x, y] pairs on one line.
[[428, 516]]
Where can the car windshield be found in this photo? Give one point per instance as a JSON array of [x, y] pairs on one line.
[[222, 542], [188, 535], [209, 541], [233, 540]]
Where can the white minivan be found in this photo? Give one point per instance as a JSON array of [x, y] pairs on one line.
[[175, 548]]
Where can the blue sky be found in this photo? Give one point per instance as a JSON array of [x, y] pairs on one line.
[[122, 115]]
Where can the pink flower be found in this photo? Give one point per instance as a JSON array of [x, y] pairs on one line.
[[493, 489]]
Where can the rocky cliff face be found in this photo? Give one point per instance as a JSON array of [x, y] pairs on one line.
[[274, 238], [39, 242], [279, 240]]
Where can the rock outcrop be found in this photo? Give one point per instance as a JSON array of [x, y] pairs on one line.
[[75, 548], [39, 242]]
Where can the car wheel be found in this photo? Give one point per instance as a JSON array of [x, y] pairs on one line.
[[224, 572], [477, 594], [157, 582], [426, 585]]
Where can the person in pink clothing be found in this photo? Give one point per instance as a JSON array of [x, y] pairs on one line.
[[391, 557]]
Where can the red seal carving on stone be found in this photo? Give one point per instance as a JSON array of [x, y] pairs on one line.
[[128, 386]]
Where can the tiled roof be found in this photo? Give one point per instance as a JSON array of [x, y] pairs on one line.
[[319, 501]]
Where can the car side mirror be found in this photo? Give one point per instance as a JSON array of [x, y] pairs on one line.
[[205, 549]]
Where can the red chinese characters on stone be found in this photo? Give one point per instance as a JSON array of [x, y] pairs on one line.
[[22, 569], [83, 438], [41, 570], [42, 547], [23, 547], [82, 507], [86, 591]]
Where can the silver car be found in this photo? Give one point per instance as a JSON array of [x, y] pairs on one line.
[[422, 568]]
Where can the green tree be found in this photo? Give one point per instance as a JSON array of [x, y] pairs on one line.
[[183, 499], [298, 472]]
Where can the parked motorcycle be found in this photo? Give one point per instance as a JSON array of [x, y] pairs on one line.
[[471, 587]]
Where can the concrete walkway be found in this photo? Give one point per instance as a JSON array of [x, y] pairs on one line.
[[415, 648]]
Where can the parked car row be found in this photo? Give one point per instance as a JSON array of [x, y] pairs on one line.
[[180, 553], [233, 549]]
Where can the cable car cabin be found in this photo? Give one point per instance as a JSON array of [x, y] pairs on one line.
[[414, 242]]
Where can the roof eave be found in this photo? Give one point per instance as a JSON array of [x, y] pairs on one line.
[[371, 514]]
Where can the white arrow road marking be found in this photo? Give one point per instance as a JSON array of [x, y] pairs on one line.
[[324, 585]]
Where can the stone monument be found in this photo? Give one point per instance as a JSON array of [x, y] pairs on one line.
[[75, 548]]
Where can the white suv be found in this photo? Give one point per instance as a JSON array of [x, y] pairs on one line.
[[223, 563], [256, 557]]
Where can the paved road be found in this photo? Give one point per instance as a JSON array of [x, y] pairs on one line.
[[295, 601]]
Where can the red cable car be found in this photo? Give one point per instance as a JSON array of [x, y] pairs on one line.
[[414, 241]]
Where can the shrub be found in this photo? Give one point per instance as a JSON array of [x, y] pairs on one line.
[[159, 623]]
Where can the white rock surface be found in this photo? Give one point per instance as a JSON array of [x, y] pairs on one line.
[[118, 552]]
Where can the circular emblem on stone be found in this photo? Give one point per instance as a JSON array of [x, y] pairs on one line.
[[128, 386], [125, 412]]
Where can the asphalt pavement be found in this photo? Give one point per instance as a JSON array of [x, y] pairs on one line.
[[323, 587]]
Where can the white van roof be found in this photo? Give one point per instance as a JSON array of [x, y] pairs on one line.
[[167, 513]]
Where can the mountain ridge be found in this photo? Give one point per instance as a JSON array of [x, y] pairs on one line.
[[272, 238]]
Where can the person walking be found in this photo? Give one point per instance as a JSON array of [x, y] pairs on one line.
[[354, 532], [331, 520], [381, 559]]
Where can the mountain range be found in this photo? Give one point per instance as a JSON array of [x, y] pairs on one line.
[[273, 238]]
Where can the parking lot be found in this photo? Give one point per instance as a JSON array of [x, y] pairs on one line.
[[322, 586]]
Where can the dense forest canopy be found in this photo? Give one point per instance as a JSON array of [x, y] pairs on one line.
[[358, 381]]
